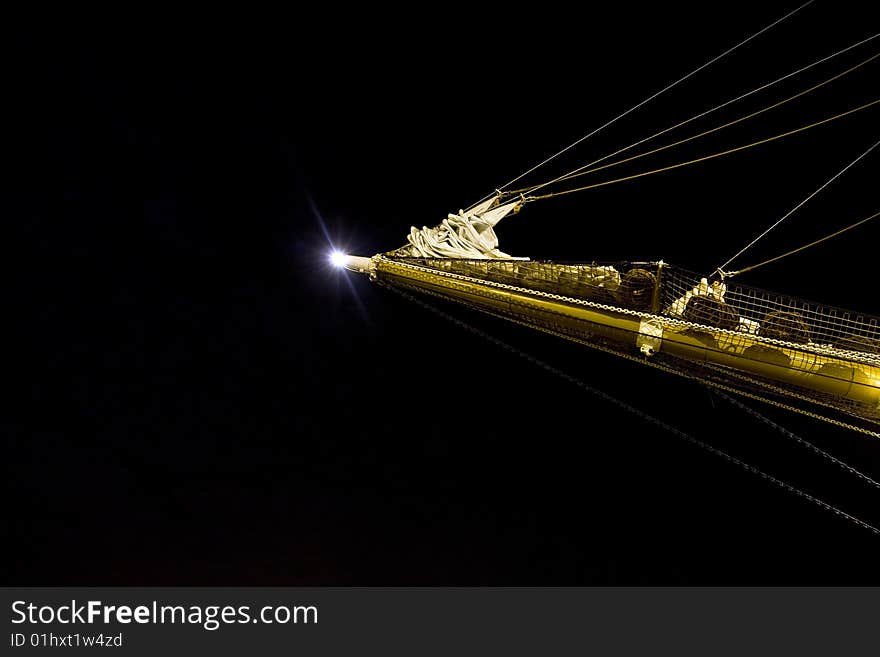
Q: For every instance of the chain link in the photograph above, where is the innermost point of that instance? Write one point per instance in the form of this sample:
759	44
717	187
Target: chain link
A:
660	366
635	411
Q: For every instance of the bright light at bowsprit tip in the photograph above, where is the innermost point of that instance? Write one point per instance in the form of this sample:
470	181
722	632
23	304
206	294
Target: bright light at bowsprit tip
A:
338	258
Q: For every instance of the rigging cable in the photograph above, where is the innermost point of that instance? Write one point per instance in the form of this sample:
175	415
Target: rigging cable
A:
720	269
641	414
804	247
704	158
701	115
589	168
647	100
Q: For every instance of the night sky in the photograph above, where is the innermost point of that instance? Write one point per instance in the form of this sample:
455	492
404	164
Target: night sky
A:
201	399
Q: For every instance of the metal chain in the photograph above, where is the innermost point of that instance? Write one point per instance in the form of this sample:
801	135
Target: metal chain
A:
777	390
714	384
651	363
671	321
798	439
639	413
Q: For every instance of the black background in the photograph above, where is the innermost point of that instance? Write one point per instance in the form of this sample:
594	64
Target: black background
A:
203	400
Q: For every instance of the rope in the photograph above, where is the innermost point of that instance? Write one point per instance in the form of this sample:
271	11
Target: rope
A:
704	158
583	171
640	414
647	100
801	441
699	116
795	208
804	247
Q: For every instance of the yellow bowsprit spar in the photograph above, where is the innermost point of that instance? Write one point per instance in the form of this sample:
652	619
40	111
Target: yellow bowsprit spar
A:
734	336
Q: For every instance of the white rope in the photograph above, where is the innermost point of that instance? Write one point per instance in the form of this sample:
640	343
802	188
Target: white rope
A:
794	209
647	100
573	172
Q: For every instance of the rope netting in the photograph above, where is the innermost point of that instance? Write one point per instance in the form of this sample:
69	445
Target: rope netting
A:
771	315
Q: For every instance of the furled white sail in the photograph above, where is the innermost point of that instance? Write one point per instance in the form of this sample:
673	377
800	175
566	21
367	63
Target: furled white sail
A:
463	235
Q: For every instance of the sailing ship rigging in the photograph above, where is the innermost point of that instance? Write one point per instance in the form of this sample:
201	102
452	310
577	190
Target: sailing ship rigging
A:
744	342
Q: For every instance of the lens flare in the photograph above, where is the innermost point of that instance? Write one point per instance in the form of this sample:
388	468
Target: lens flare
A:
338	259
